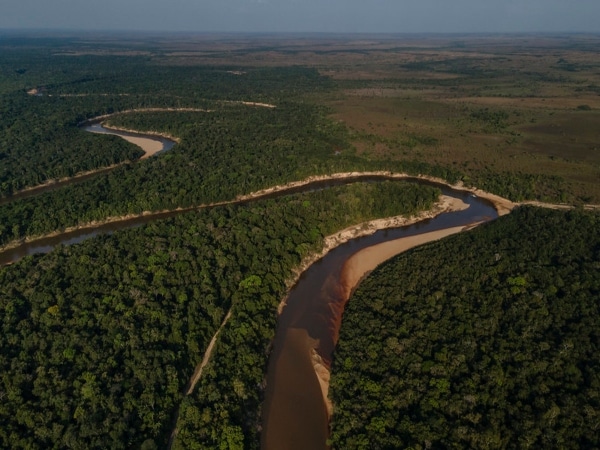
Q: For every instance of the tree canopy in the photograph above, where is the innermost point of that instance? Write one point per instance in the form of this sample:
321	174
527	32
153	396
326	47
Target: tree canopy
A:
487	339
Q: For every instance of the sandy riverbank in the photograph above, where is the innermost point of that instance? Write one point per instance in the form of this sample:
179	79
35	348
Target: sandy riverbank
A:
355	272
501	204
365	261
359	266
150	146
60	181
298	376
138	110
445	204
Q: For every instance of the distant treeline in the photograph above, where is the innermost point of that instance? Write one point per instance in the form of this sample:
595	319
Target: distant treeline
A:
38	138
232	151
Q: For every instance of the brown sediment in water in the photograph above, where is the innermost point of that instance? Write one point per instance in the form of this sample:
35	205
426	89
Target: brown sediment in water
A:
301	362
355	269
295	361
444	204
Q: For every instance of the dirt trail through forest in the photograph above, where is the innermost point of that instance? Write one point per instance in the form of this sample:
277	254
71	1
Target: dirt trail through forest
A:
196	376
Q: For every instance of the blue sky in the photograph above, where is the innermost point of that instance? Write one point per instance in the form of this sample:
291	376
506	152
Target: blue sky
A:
396	16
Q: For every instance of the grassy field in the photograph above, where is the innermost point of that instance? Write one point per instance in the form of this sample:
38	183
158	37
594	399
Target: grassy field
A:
521	106
524	108
504	110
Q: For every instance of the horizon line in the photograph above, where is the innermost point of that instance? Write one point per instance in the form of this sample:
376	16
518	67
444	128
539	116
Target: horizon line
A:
266	32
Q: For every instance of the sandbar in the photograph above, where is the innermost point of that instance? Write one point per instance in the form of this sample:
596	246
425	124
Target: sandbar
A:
150	146
359	266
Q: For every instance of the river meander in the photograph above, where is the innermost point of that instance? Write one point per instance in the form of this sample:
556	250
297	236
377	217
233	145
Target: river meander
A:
150	144
294	413
47	243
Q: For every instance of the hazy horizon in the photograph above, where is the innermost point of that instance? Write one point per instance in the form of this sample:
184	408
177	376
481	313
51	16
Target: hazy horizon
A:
305	16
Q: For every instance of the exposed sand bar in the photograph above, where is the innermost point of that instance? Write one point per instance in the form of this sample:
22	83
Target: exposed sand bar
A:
365	261
359	266
445	204
353	271
293	418
150	146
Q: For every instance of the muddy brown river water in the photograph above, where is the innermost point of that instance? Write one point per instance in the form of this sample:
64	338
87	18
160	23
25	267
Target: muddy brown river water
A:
294	412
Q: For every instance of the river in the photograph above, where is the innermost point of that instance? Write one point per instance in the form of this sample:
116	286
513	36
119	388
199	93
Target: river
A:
47	243
151	144
294	412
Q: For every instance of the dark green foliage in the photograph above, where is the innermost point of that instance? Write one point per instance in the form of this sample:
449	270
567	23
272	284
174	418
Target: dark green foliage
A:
518	186
495	120
233	151
39	142
99	339
487	339
38	137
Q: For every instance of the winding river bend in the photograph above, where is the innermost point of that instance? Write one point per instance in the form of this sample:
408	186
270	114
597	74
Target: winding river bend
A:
151	144
45	244
294	414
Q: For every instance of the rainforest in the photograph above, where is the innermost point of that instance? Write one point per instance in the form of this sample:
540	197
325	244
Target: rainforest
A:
198	297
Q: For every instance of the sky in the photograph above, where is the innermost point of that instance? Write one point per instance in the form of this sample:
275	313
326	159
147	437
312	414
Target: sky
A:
338	16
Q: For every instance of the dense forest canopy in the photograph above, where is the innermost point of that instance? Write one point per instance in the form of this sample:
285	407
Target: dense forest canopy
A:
487	339
99	339
38	117
228	150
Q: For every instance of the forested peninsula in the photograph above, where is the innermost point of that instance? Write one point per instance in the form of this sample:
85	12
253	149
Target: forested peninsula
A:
99	339
486	339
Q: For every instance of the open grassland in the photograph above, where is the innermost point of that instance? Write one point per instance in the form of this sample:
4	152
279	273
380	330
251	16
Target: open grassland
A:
503	110
525	110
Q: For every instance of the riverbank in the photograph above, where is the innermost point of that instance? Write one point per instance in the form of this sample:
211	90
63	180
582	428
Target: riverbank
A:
356	268
444	205
149	146
360	264
57	182
146	135
102	117
96	223
502	205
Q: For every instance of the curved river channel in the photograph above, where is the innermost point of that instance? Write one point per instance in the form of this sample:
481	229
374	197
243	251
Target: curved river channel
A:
159	144
294	414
